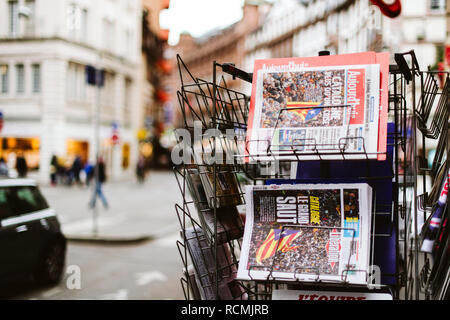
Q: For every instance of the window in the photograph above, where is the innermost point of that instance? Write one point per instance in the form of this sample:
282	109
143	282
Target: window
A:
20	78
4	78
72	19
30	20
437	5
76	86
5	209
36	77
84	24
127	95
26	199
70	81
16	201
108	92
127	102
13	10
108	34
77	22
128	45
30	199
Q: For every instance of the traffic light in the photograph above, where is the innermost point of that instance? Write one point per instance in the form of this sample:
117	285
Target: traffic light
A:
94	76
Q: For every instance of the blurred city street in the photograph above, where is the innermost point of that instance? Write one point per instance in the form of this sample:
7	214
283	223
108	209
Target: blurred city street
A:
124	269
135	210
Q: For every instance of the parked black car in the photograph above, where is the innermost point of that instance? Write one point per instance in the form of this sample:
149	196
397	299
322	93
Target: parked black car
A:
31	240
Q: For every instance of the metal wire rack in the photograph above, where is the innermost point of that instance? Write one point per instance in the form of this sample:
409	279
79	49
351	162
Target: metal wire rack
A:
210	248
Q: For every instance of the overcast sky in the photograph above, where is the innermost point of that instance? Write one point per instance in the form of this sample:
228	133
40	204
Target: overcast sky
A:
199	16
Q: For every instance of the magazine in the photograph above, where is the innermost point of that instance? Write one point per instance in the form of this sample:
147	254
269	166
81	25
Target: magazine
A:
319	105
229	222
307	232
202	256
227	188
432	226
229	225
189	275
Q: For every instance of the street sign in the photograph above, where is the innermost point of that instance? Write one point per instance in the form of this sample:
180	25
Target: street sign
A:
95	76
115	133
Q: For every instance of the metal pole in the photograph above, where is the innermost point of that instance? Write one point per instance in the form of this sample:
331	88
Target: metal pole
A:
97	148
216	280
415	173
397	185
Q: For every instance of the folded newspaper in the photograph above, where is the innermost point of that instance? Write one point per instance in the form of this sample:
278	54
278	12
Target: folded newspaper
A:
202	256
229	223
307	233
304	110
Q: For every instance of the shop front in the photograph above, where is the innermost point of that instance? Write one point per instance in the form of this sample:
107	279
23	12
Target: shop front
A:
13	147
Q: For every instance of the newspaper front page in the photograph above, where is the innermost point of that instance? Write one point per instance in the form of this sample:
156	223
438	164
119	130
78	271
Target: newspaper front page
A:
315	110
307	233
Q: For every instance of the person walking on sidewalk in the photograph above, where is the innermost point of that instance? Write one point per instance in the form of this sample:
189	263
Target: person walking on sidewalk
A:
21	166
54	170
3	167
89	173
140	169
77	166
100	178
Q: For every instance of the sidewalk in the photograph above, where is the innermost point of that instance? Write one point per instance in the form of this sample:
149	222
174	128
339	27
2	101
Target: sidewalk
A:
136	212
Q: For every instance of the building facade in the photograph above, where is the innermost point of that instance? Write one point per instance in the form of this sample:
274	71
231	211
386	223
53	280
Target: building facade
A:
223	46
154	66
422	27
48	108
303	28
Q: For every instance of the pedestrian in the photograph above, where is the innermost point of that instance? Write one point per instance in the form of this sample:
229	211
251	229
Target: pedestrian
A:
140	169
89	172
11	161
77	166
3	168
53	170
100	179
21	166
60	169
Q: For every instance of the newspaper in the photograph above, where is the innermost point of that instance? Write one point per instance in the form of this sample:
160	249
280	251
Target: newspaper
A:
203	258
324	110
307	233
304	295
229	223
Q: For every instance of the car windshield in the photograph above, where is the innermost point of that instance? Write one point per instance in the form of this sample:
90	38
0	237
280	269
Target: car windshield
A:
19	200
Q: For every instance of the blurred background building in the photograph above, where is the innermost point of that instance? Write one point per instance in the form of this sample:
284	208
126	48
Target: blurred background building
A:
289	28
46	44
303	28
222	45
48	108
157	112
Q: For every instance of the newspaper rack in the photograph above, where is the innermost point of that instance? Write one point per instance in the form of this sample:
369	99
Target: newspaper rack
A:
433	123
213	105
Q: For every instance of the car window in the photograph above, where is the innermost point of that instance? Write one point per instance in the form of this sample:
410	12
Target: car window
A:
5	208
26	199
